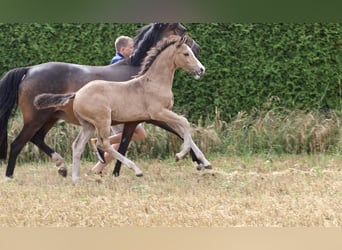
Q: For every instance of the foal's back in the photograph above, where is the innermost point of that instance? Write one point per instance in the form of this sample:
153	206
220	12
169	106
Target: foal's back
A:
122	101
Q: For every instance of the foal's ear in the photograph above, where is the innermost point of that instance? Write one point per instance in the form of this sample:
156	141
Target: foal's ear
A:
181	40
184	39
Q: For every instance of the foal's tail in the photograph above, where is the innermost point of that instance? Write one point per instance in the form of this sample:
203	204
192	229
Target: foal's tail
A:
9	91
44	101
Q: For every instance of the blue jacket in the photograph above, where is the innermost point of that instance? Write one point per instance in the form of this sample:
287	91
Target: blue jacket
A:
116	58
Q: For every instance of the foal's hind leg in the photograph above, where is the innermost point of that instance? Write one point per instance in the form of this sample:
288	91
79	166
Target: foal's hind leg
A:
78	146
104	144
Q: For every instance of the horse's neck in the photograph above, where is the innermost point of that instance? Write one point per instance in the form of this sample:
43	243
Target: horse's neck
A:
122	71
162	71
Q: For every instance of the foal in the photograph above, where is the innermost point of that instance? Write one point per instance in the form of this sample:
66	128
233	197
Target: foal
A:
99	104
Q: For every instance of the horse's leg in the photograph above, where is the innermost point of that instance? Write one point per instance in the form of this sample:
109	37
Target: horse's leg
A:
126	137
170	129
104	144
26	134
78	146
38	140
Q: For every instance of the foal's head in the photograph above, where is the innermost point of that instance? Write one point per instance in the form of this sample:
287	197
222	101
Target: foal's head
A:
186	59
179	51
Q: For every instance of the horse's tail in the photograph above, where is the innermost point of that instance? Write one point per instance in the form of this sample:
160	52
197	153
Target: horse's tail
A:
47	100
9	91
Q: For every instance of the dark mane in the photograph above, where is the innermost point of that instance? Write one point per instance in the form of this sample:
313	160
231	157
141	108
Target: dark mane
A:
147	37
154	52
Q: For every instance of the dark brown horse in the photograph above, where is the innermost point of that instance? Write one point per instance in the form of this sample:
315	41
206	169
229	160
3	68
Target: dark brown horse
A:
19	87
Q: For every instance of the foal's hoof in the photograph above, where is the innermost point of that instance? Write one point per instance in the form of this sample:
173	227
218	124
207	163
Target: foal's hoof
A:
208	167
179	156
201	166
139	175
63	171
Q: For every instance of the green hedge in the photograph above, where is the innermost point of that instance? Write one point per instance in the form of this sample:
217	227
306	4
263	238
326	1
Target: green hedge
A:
246	63
249	63
34	43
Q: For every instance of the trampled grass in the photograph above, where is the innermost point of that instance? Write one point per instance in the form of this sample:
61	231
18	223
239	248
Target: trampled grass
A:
282	191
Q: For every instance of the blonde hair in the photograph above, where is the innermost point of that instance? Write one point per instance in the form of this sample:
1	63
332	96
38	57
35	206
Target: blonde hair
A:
122	42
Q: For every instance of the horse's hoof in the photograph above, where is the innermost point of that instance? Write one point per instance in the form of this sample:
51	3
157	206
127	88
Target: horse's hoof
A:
8	178
140	175
63	171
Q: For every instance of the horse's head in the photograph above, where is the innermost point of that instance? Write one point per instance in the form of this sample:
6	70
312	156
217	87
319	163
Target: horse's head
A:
172	29
180	30
149	35
186	59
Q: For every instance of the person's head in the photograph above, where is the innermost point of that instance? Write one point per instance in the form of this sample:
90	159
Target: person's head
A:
124	45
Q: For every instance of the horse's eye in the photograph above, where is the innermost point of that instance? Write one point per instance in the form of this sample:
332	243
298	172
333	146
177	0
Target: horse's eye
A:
186	54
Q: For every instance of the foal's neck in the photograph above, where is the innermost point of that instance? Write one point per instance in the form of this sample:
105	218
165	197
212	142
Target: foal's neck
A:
163	69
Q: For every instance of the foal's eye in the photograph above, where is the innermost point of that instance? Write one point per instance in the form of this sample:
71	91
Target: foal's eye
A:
186	54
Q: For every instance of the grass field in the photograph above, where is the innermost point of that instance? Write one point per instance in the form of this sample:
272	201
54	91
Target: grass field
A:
282	191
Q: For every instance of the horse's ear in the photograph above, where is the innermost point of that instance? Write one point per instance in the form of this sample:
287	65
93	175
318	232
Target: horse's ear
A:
160	25
178	28
174	25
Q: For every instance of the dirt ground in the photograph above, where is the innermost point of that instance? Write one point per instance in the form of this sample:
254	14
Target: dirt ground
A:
284	191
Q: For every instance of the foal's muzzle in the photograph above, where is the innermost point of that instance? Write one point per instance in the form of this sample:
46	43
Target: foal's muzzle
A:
199	72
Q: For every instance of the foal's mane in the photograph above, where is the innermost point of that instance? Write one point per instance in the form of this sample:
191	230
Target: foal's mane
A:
146	37
154	52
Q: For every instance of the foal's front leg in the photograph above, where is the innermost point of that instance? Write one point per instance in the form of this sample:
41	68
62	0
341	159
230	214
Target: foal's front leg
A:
181	125
167	127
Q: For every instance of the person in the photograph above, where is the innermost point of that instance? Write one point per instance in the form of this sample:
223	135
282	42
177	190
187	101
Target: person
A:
124	49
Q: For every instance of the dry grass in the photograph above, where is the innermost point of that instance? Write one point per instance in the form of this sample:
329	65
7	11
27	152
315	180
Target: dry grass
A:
251	191
284	131
265	130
